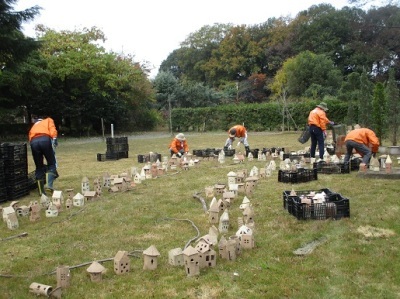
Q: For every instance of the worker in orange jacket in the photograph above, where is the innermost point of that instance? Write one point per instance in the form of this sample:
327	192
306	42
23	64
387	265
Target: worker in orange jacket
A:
364	141
43	141
317	121
240	132
179	145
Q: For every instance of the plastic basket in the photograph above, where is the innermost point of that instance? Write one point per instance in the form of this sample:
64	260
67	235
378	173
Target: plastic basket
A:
295	177
335	207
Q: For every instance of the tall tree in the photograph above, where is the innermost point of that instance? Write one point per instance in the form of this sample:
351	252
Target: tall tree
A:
365	100
379	111
393	107
14	46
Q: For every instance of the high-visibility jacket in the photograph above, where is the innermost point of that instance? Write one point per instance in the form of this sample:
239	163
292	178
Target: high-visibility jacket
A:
177	145
240	131
364	136
318	118
45	127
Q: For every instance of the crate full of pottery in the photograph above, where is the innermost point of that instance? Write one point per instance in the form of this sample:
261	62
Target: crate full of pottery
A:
318	204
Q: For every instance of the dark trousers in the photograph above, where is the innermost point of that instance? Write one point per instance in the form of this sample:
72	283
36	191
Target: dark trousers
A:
361	148
42	149
317	137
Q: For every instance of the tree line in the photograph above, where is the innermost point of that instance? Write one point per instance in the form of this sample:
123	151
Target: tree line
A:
348	55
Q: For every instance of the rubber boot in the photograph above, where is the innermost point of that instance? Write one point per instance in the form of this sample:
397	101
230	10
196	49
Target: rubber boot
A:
50	177
247	148
40	184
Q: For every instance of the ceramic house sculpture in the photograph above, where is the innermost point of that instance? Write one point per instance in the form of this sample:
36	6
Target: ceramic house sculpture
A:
68	203
388	163
222	252
240	157
106	180
142	174
254	171
90	195
95	271
241	188
212	236
234	188
69	193
262	173
235	239
224	222
22	211
240	177
374	164
207	255
175	257
236	159
63	276
250	157
12	220
221	157
7	211
122	262
231	177
58	199
173	161
35	211
137	178
221	205
150	256
191	261
97	185
248	215
133	171
246	237
44	201
245	203
230	249
40	289
78	200
85	185
228	196
213	212
52	211
209	191
219	189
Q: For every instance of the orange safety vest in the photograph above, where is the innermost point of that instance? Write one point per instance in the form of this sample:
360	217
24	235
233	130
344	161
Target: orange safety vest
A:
364	136
240	131
45	127
318	118
176	145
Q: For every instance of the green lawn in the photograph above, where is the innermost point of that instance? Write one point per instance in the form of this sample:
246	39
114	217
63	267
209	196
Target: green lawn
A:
159	212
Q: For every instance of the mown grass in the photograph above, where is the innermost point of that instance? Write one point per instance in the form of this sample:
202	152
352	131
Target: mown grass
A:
347	265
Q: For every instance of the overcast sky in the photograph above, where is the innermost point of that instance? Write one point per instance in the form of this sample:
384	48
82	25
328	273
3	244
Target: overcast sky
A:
151	30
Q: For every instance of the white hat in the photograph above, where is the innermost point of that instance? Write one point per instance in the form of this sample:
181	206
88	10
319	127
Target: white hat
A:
180	137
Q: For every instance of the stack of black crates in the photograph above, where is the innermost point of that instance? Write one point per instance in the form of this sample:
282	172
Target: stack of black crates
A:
13	171
117	148
335	207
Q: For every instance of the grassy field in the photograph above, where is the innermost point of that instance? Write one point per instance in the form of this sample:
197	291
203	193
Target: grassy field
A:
349	264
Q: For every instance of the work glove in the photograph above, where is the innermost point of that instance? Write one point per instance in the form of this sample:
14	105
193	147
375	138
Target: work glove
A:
332	123
238	144
54	143
179	154
324	132
230	147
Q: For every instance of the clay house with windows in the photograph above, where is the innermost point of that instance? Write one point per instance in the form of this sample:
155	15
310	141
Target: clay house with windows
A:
150	258
191	261
35	211
207	255
246	237
90	195
85	186
122	262
213	212
78	200
175	257
224	222
95	271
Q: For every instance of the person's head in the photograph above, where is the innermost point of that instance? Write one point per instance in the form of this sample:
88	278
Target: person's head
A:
323	106
180	137
232	133
36	118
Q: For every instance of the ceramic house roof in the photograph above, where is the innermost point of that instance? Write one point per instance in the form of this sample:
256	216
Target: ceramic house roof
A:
95	267
57	194
388	160
189	251
246	200
78	196
225	216
232	174
244	230
214	207
222	241
85	180
151	251
90	194
121	255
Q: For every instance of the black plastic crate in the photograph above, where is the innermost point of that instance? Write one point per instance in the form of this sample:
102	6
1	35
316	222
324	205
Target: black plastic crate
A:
332	168
336	206
299	176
